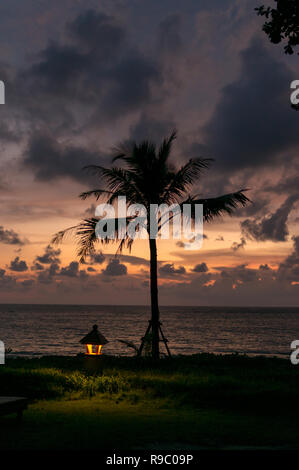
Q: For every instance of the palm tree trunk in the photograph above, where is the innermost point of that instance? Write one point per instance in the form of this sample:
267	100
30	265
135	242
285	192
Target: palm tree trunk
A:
154	298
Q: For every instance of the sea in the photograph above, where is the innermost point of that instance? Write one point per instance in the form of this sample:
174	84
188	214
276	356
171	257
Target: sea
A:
39	330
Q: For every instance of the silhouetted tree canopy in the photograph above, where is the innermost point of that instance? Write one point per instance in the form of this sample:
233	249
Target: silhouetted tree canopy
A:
282	23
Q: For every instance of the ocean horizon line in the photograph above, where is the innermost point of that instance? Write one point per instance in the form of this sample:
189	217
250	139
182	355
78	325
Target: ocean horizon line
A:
145	305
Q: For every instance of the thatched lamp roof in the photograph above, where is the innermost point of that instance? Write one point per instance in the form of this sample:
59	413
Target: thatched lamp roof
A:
94	337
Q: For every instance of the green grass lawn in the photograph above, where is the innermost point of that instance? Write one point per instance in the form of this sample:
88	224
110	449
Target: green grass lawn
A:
202	401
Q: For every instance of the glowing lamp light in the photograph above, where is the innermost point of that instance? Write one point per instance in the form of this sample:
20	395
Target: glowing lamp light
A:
93	342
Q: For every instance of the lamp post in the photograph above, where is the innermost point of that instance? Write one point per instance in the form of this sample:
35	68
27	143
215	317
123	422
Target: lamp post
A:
93	341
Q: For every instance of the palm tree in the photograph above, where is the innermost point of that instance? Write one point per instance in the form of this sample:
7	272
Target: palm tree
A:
148	178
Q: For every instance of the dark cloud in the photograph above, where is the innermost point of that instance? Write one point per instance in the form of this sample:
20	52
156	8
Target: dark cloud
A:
18	265
58	69
169	270
50	160
169	38
236	246
37	267
9	237
46	276
47	264
83	275
239	273
83	63
253	124
115	268
181	244
91	70
99	258
289	184
264	267
289	268
151	128
78	84
258	206
200	268
27	283
72	270
236	284
127	95
53	268
7	134
99	32
272	227
6	282
96	258
50	256
135	260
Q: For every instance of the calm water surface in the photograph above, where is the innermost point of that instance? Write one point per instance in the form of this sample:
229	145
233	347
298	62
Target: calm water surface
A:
56	329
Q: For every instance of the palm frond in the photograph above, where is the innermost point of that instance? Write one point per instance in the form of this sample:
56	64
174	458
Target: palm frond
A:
94	192
184	177
138	157
86	238
63	234
94	169
129	344
119	181
216	207
123	151
124	182
83	233
165	147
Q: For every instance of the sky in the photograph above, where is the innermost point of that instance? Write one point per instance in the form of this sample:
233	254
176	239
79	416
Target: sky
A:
82	76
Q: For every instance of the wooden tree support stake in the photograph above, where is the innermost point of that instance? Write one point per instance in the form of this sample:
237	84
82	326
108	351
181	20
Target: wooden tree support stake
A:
143	339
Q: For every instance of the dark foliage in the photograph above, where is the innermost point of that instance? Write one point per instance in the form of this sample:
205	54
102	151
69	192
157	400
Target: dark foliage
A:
282	23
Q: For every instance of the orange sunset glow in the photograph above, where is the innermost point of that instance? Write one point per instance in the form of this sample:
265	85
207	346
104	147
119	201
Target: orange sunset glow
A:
53	126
